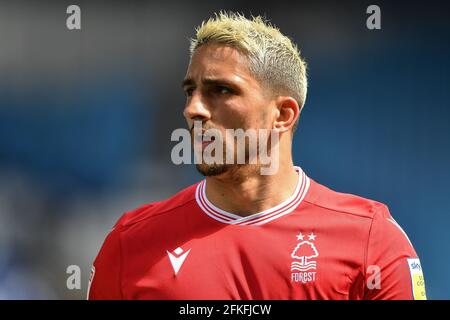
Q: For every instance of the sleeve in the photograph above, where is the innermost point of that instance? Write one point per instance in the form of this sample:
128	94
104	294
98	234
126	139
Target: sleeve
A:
393	270
105	279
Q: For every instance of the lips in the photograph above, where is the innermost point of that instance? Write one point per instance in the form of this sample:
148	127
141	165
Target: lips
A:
205	143
201	138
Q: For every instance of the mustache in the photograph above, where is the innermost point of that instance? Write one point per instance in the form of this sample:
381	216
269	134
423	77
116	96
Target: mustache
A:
204	128
202	133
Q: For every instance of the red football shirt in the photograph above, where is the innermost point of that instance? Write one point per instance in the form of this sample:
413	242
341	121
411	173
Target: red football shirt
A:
318	244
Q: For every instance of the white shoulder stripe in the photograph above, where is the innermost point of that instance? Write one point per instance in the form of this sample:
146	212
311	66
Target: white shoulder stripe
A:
400	228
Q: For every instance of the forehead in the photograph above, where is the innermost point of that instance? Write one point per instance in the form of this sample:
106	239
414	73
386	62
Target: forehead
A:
216	60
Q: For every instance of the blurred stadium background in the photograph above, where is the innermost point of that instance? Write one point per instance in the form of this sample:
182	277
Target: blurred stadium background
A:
86	118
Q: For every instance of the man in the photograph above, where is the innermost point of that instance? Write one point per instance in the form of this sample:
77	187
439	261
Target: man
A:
240	234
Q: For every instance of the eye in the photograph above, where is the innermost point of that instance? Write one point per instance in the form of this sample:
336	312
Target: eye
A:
188	92
223	90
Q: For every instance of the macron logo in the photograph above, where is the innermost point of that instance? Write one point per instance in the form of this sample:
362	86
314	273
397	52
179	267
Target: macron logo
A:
177	259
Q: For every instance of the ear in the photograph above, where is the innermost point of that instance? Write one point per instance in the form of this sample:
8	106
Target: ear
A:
287	115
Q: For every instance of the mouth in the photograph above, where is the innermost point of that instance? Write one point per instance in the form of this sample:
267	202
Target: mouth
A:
205	142
203	137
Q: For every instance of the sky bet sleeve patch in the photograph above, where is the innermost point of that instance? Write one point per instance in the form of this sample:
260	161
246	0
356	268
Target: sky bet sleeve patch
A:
417	279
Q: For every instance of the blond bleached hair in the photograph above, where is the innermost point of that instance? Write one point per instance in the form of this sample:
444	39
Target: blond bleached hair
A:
274	59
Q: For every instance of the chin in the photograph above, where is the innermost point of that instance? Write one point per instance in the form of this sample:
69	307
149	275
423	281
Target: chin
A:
210	170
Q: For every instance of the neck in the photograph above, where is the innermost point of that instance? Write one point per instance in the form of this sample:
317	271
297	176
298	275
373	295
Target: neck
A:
244	191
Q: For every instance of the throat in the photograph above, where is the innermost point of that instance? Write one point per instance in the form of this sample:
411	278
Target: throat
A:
252	195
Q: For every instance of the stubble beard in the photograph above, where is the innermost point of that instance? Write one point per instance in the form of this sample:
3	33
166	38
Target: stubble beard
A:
216	169
211	170
233	169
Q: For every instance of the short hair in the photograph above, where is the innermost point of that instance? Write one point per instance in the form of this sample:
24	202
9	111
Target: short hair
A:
274	59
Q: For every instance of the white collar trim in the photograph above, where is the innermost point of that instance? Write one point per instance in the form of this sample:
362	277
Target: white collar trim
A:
259	218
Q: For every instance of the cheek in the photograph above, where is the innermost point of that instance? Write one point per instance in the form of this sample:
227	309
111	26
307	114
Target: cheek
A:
232	115
243	114
260	118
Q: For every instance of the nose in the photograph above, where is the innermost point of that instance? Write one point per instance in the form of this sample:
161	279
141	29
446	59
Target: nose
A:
196	109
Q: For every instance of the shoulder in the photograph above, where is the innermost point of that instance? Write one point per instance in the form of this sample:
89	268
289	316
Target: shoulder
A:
325	198
154	209
371	217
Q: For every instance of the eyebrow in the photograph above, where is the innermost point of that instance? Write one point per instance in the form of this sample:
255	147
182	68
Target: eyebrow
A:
208	81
